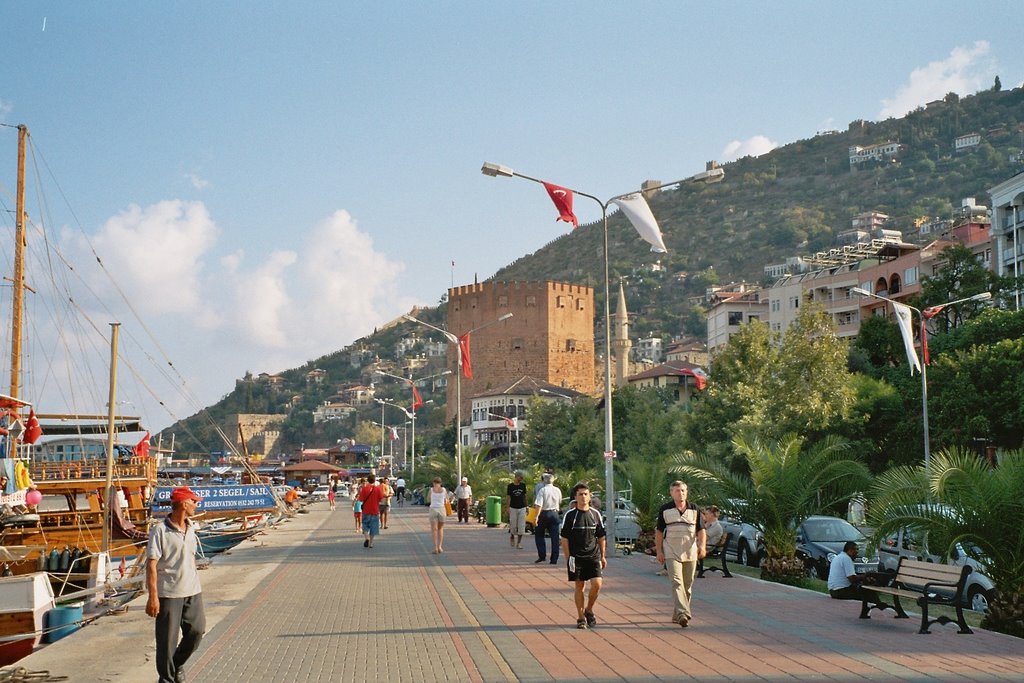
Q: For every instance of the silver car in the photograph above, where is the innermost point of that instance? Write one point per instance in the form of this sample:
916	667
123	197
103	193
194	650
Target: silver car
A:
746	543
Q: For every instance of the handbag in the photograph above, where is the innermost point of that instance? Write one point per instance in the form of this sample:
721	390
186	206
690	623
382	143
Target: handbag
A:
447	507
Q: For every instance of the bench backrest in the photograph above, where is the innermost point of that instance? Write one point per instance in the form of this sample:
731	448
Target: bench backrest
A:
917	573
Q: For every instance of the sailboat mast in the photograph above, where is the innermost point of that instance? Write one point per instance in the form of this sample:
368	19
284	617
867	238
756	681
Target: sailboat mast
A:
108	488
19	266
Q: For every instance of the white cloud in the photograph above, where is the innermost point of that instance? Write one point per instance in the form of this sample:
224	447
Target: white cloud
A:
217	316
155	254
197	182
754	147
965	71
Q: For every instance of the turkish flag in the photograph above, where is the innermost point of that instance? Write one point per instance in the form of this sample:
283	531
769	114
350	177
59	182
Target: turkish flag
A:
33	430
417	400
464	361
142	447
563	202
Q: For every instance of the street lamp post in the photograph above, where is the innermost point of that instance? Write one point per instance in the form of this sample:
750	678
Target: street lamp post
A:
452	339
496	170
984	296
412	415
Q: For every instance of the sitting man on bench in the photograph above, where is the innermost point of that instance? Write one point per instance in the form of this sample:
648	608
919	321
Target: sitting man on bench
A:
843	577
716	540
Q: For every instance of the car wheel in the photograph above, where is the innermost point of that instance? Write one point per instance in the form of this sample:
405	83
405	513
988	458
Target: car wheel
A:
741	552
978	599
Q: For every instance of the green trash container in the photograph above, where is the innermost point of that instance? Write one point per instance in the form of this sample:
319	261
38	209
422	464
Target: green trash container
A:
493	510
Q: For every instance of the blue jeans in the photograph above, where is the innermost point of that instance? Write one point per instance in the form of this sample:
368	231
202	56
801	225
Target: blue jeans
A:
547	525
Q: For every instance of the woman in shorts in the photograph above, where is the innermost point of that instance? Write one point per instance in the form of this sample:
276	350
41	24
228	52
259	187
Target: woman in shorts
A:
357	508
438	514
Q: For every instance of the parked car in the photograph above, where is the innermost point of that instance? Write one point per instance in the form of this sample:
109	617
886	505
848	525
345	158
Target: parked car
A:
978	588
746	543
320	492
820	538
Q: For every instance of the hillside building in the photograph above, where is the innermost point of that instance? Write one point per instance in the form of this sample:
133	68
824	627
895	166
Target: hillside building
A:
731	307
681	378
882	151
689	349
500	415
262	433
1008	229
550	336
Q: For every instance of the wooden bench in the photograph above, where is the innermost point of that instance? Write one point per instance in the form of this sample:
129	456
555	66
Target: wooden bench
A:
717	551
916	581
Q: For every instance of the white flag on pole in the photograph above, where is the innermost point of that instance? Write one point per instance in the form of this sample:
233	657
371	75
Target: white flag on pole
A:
639	214
903	319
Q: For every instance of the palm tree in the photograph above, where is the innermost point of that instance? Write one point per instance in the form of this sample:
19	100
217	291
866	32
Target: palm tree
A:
648	480
786	484
486	476
961	499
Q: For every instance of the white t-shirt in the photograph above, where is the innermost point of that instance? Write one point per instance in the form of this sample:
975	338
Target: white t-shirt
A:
549	498
841	567
400	484
437	499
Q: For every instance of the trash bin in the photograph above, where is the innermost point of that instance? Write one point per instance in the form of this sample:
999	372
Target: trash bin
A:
493	510
63	620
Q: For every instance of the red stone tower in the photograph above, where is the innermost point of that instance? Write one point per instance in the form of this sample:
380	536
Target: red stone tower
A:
550	336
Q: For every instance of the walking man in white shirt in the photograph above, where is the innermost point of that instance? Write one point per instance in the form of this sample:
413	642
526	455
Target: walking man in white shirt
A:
547	501
463	497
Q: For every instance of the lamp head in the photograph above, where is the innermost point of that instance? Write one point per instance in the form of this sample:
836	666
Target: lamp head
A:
505	317
858	290
983	296
495	170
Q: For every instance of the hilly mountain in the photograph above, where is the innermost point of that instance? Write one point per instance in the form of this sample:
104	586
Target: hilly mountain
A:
793	200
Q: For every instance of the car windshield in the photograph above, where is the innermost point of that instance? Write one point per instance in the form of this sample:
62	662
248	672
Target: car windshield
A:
832	531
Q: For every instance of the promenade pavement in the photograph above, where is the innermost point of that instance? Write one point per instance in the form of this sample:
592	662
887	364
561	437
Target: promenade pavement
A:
306	602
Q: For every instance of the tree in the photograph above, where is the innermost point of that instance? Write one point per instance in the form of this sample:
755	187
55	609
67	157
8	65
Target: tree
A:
998	85
960	275
563	435
786	484
798	383
977	395
961	499
648	479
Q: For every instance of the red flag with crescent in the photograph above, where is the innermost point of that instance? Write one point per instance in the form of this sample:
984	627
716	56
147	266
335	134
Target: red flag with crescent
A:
464	360
562	198
417	400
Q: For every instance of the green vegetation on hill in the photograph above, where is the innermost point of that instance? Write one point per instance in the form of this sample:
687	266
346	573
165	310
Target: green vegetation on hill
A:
793	200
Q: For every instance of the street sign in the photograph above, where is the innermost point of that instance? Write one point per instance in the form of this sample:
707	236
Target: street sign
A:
608	455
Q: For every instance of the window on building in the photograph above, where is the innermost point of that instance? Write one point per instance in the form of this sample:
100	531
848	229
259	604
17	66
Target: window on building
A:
570	344
560	301
531	301
503	301
735	317
580	304
910	276
751	318
473	302
517	343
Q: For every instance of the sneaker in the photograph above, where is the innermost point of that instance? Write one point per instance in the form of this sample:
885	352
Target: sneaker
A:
366	543
683	621
539	561
581	624
591	619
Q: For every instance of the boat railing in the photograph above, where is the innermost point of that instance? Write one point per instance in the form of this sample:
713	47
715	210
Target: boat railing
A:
131	468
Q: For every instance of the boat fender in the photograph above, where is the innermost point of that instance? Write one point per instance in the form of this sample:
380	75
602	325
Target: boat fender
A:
76	553
54	562
41	561
22	480
65	559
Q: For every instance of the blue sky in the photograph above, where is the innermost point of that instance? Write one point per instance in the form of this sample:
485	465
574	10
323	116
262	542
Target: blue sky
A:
269	181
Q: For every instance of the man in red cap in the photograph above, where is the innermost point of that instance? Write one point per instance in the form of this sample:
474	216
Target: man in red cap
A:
175	596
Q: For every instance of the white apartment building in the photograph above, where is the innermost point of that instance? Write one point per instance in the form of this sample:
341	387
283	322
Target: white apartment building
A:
729	311
1008	229
648	349
879	152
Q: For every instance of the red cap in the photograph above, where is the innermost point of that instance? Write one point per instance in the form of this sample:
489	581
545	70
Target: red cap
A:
184	493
